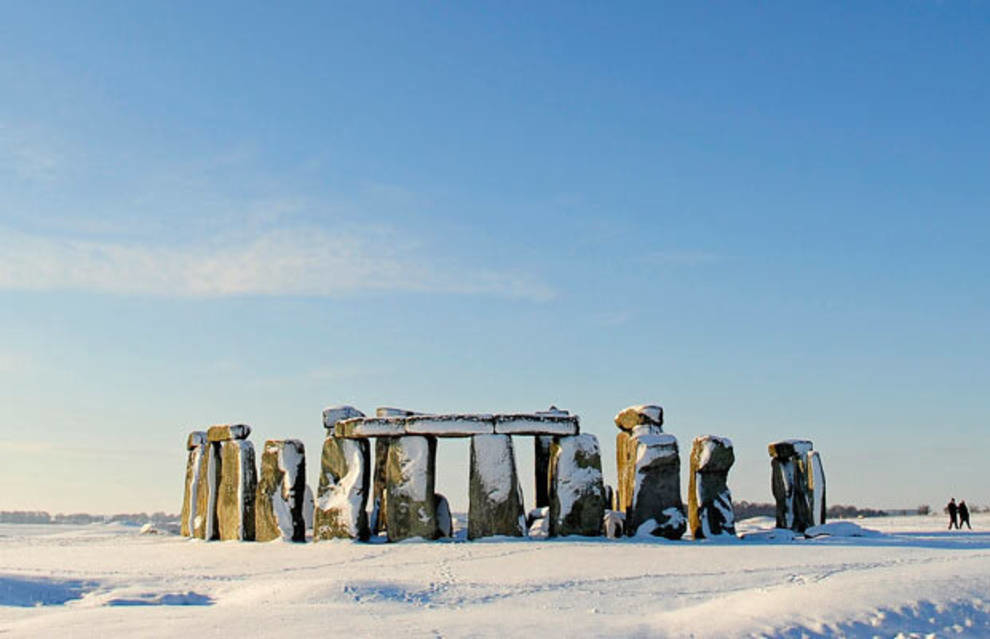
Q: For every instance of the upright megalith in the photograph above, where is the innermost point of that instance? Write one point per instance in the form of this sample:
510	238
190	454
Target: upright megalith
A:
642	419
238	482
541	457
495	504
379	517
410	479
577	489
709	499
196	448
342	493
205	524
789	483
655	505
280	500
816	488
445	521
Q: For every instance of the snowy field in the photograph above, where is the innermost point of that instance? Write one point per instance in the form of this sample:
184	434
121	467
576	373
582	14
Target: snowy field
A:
911	579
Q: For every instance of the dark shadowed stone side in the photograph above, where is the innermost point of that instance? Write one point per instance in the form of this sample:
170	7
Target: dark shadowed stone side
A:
709	499
278	506
238	483
342	494
495	504
445	522
205	522
577	490
195	444
629	418
410	478
541	449
379	518
656	507
789	483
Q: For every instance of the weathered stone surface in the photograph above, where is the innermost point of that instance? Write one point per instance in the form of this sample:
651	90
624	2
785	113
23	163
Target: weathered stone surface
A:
632	416
615	523
365	427
410	477
205	521
537	424
309	508
238	483
227	432
625	464
577	490
450	425
379	517
789	483
710	511
196	445
280	499
495	504
334	414
389	411
445	522
342	494
541	458
816	488
656	507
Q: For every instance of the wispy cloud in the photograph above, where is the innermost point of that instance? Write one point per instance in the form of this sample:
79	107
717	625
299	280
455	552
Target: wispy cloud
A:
294	261
683	258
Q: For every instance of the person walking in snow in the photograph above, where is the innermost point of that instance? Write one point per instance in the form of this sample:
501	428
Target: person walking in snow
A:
953	510
963	515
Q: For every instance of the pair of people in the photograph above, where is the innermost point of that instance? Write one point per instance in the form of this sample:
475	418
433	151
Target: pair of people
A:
958	514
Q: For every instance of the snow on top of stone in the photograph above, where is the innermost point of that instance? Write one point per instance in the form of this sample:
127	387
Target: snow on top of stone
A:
334	414
389	411
629	417
196	438
708	445
660	439
572	479
799	447
225	432
717	439
451	425
553	410
494	464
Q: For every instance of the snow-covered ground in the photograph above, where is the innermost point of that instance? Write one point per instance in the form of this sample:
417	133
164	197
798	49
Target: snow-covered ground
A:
914	578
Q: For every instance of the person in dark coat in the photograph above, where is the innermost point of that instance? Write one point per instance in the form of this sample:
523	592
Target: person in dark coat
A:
953	511
963	515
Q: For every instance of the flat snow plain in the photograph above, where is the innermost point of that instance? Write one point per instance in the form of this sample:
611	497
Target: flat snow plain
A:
914	579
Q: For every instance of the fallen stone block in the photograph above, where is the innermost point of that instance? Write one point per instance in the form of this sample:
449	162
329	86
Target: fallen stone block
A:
280	500
495	504
410	478
710	511
342	493
238	484
577	490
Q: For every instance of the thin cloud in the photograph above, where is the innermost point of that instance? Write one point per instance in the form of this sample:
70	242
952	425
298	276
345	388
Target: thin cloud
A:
683	258
288	262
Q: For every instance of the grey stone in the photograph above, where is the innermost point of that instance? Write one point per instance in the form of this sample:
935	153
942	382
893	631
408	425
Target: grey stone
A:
238	483
410	479
710	511
495	504
342	493
205	524
280	500
196	447
789	483
656	507
450	425
577	490
334	414
365	427
536	424
445	522
816	488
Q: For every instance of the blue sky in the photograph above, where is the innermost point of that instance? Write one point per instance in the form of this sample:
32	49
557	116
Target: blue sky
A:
771	219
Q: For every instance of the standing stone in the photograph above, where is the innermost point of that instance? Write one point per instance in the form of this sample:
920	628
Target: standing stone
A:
656	506
309	508
541	457
410	477
281	495
644	419
238	483
196	447
816	488
495	504
342	494
577	490
379	519
709	499
789	483
205	525
445	521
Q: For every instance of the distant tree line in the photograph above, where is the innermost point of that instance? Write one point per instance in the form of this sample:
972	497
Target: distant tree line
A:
746	509
42	517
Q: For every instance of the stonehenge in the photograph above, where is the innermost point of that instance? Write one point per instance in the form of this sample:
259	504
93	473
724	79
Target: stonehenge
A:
360	495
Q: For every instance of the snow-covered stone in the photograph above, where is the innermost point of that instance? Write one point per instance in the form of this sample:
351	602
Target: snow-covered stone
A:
280	502
365	427
450	425
789	481
656	490
495	496
334	414
196	447
710	511
208	484
342	493
236	494
378	518
816	488
543	423
445	522
309	508
629	418
614	523
389	411
227	432
577	490
410	479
